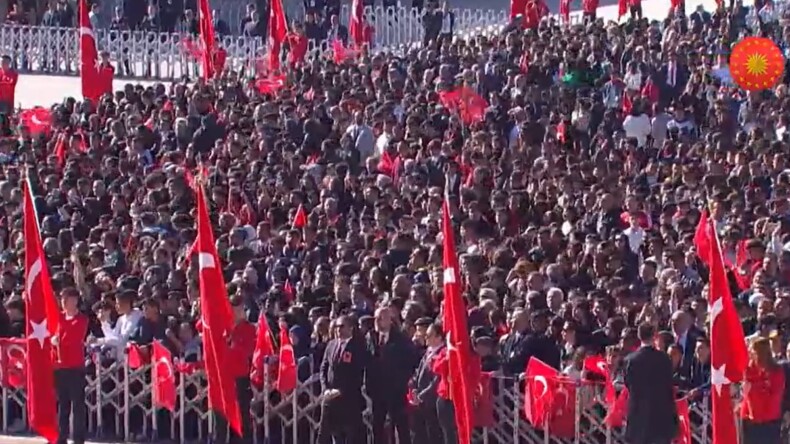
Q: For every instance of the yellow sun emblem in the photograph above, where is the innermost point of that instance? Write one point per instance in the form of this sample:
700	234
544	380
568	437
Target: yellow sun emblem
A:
756	63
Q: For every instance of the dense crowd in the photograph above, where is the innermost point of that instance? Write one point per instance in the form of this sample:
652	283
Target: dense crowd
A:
575	214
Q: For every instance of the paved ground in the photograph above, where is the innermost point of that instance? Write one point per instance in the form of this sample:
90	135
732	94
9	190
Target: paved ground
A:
5	439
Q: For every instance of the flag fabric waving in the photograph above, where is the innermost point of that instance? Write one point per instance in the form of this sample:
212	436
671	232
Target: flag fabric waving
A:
356	24
458	345
684	431
278	31
469	105
163	377
206	27
537	391
727	346
43	318
38	120
216	320
615	415
286	375
263	348
701	238
89	57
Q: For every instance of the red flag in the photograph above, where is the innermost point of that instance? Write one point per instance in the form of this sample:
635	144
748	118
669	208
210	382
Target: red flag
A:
206	27
278	31
517	7
270	85
290	292
217	321
524	63
263	348
743	275
598	365
43	318
622	8
12	362
727	347
537	391
469	105
89	57
562	131
701	238
562	420
164	386
340	53
565	10
356	28
300	218
38	120
684	431
286	373
458	345
484	408
137	357
615	417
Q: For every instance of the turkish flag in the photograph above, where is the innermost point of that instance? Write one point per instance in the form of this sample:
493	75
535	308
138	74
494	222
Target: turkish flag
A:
469	105
286	372
615	416
263	348
340	53
13	357
517	7
300	218
206	27
136	356
484	407
684	431
701	238
163	377
727	347
89	57
43	318
38	120
462	386
538	391
61	149
627	104
216	319
562	419
270	84
622	8
278	31
597	364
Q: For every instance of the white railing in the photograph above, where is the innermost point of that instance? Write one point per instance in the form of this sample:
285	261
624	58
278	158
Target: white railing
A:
119	406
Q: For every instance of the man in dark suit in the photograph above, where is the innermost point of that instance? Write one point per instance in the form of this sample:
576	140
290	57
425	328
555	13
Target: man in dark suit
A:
525	342
335	30
686	338
342	375
392	366
426	422
674	76
652	414
513	359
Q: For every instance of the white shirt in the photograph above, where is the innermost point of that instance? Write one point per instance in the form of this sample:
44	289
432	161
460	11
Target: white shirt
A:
638	127
364	140
633	81
636	236
119	335
381	143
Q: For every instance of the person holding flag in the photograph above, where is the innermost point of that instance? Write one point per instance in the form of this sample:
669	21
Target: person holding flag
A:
70	367
241	346
763	391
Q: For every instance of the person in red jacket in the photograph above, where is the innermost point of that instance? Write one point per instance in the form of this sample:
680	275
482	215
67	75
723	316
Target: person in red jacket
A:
763	390
297	44
106	72
635	6
69	349
8	79
220	58
241	346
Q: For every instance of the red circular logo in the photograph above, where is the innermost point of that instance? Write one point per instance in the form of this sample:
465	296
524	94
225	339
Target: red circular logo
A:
756	63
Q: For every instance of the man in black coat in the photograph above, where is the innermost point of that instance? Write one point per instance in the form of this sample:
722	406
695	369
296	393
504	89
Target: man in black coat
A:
528	338
394	361
686	336
342	375
652	414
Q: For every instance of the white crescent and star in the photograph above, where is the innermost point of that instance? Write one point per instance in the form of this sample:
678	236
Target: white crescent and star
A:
36	121
85	30
715	310
602	367
206	260
718	377
449	275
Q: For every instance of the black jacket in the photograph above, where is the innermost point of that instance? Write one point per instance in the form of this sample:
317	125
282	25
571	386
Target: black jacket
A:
652	414
392	365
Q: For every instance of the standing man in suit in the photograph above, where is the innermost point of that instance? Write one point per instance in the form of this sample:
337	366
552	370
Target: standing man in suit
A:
392	366
342	374
686	338
675	76
652	414
426	422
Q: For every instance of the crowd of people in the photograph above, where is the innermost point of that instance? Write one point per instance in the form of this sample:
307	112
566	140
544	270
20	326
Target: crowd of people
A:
575	196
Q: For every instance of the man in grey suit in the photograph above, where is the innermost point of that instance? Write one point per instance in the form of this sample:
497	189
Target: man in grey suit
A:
652	413
425	423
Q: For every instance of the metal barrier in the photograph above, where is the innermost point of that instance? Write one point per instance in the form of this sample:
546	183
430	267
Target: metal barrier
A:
119	406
